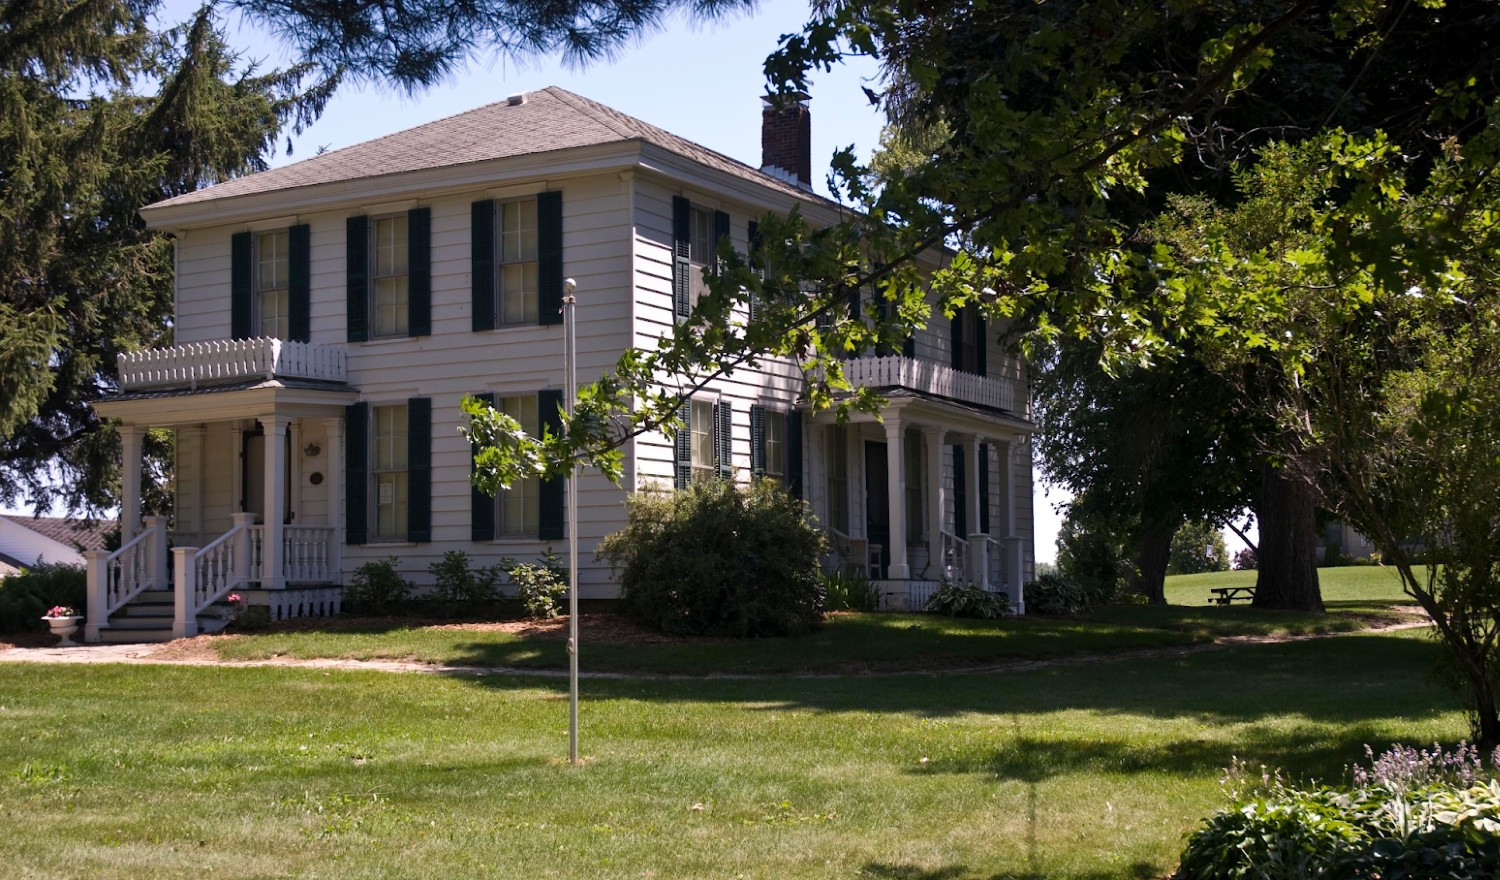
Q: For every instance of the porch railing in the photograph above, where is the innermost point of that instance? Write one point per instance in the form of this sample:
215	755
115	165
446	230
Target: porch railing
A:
305	554
930	377
224	360
115	578
204	576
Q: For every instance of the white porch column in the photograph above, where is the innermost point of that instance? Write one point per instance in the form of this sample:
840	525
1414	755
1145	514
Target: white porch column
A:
333	430
1006	455
937	565
896	499
979	548
131	437
97	564
156	553
185	590
271	576
190	448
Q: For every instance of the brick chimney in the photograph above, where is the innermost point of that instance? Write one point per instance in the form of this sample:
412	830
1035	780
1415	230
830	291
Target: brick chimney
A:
786	140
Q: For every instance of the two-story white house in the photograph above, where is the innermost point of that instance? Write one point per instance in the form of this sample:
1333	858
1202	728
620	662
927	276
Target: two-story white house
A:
331	314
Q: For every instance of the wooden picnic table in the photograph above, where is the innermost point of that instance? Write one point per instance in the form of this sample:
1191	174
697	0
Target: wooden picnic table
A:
1230	595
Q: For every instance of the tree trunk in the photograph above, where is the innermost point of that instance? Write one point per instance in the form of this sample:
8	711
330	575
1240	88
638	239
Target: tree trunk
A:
1287	576
1151	564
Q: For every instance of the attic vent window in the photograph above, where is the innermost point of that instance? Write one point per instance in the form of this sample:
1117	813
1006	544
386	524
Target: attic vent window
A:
517	99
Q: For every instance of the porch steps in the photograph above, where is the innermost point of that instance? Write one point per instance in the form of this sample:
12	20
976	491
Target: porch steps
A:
148	618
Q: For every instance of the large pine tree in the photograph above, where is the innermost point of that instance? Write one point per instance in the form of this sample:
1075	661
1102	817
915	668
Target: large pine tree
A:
99	115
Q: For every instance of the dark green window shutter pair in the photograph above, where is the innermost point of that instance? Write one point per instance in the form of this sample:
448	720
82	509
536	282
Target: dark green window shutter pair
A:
418	277
481	506
757	440
682	270
549	257
984	488
721	232
482	273
552	492
418	471
956	340
724	438
981	345
242	285
960	493
682	446
981	342
794	453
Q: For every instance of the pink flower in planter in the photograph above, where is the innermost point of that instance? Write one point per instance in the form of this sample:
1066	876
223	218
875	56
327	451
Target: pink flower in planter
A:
60	611
234	599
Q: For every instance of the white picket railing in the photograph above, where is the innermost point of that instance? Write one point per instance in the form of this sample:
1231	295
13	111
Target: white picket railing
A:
204	576
305	556
223	360
955	558
311	602
116	578
930	377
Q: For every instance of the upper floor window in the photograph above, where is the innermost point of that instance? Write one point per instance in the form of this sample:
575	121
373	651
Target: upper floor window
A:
696	233
702	426
272	284
390	274
517	251
389	473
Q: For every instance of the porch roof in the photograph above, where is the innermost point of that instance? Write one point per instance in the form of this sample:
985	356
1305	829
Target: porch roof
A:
253	398
919	408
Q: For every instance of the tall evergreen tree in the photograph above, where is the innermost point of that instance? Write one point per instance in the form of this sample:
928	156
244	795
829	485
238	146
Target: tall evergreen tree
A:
99	115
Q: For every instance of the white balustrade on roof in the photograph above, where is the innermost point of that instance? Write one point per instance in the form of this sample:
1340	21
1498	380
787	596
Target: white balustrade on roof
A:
930	377
228	360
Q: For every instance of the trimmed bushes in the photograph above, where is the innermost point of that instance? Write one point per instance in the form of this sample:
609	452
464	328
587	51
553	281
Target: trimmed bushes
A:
719	559
26	595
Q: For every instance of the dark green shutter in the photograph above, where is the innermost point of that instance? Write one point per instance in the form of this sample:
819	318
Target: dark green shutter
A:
984	488
241	287
299	283
757	440
419	272
960	493
682	445
482	267
357	274
794	453
419	469
481	505
356	472
956	340
753	235
724	438
981	345
682	268
552	495
549	257
721	233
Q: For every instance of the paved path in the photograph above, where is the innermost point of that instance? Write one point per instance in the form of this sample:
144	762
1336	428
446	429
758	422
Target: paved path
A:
153	655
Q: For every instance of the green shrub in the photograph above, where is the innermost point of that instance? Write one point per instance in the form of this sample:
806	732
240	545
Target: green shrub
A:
849	592
251	618
718	559
26	595
459	587
967	600
541	586
1411	815
1055	594
377	588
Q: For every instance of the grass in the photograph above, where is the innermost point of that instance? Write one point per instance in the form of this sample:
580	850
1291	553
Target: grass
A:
1081	771
852	642
1347	588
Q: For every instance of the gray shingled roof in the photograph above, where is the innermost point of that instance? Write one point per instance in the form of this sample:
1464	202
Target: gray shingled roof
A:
551	119
75	533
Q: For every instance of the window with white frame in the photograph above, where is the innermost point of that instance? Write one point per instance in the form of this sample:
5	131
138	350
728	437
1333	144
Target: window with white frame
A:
702	249
776	445
518	507
516	257
838	478
703	440
389	473
389	272
272	284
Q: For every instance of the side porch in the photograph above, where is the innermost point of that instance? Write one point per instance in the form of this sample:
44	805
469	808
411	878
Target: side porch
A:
259	447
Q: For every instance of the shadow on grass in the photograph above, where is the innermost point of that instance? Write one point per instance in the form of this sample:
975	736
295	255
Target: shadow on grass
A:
887	871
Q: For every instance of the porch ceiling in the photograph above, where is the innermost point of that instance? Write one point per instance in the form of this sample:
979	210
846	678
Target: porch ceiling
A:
248	400
917	410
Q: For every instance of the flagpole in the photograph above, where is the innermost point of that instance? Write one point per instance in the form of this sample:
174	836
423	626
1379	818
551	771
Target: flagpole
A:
570	343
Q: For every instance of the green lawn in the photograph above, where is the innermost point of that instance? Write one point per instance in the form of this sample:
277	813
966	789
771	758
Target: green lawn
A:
857	642
1075	771
1353	587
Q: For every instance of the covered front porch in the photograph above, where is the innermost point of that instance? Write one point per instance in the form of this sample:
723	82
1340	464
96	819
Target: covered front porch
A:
259	470
925	495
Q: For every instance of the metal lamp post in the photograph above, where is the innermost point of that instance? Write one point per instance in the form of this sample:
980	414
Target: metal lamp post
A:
570	347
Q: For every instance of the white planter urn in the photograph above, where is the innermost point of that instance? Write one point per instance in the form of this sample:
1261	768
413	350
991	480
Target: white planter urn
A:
63	627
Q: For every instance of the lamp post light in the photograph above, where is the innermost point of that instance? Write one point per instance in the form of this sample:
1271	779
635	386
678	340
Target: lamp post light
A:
570	345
